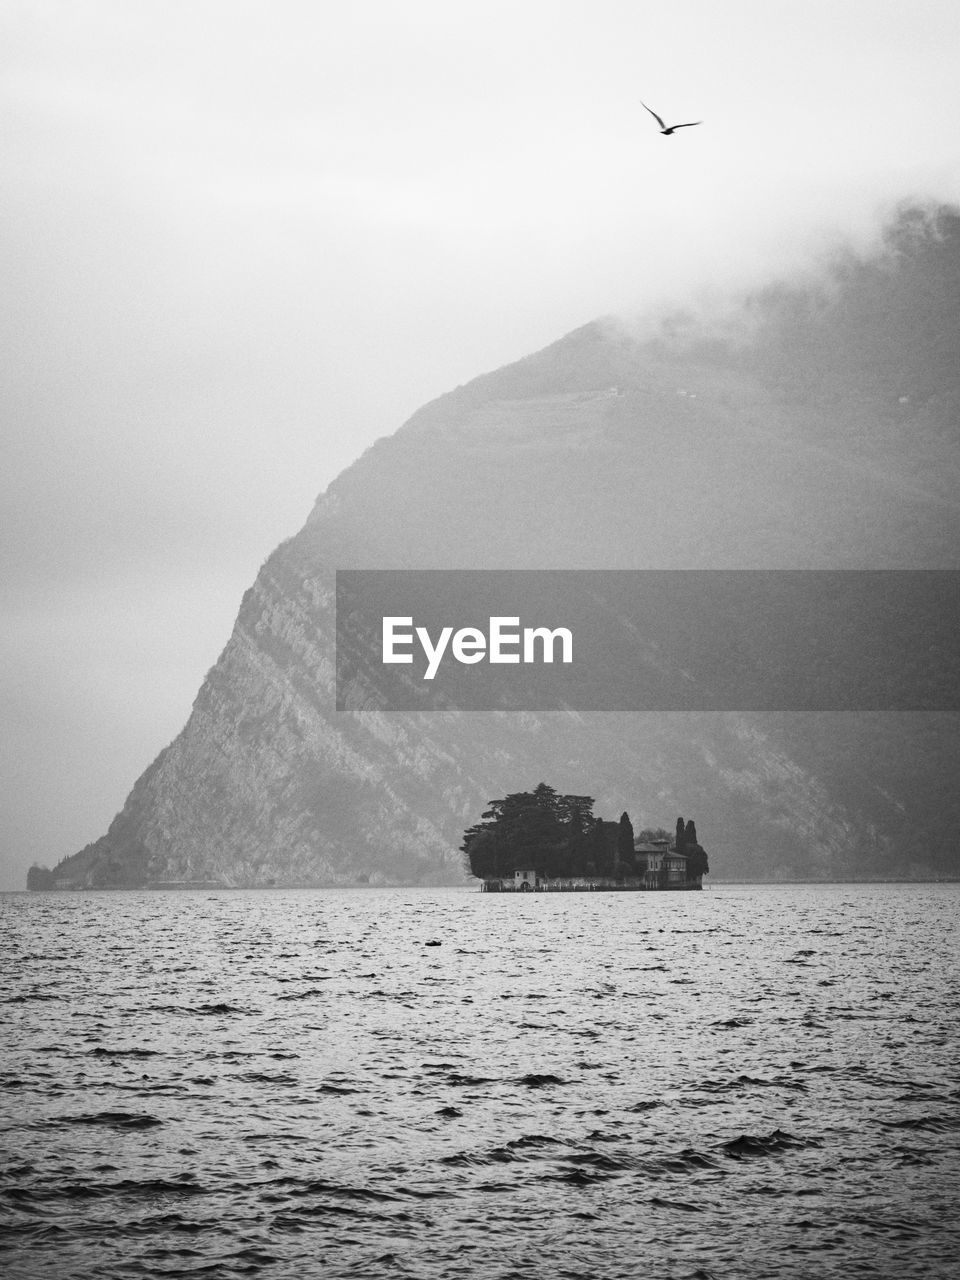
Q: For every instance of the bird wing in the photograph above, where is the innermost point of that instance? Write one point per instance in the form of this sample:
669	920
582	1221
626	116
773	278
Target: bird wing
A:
688	125
653	113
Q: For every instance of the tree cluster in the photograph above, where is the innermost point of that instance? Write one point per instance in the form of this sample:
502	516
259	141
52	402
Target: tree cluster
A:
557	836
542	831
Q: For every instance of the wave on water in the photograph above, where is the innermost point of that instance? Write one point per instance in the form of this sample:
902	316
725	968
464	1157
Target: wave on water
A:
298	1084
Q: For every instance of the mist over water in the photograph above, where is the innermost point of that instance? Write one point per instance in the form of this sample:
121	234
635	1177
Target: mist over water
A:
757	1081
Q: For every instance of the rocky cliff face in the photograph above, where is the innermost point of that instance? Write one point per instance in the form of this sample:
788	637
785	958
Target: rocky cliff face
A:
684	450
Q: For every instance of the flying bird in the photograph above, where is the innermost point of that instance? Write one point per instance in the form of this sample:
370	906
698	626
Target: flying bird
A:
668	129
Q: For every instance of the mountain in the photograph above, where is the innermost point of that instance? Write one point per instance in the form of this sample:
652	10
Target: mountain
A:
817	425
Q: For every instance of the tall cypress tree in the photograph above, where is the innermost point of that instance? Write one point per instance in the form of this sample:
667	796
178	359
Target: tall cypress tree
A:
624	861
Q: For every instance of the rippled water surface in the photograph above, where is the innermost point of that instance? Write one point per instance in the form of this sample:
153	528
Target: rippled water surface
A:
751	1081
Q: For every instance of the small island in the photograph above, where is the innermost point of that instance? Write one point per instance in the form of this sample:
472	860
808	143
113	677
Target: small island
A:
541	841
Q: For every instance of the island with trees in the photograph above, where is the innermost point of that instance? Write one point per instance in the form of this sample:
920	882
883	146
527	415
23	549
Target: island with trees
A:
543	841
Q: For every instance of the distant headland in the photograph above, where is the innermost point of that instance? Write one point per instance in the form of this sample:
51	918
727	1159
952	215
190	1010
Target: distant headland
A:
543	841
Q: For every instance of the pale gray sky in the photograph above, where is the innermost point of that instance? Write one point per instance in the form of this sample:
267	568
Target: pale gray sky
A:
241	241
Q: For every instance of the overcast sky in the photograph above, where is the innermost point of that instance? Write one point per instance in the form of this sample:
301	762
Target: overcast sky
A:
243	240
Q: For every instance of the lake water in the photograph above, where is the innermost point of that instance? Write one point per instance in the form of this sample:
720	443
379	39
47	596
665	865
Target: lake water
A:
750	1081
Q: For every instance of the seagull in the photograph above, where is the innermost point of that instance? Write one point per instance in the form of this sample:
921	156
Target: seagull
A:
668	129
